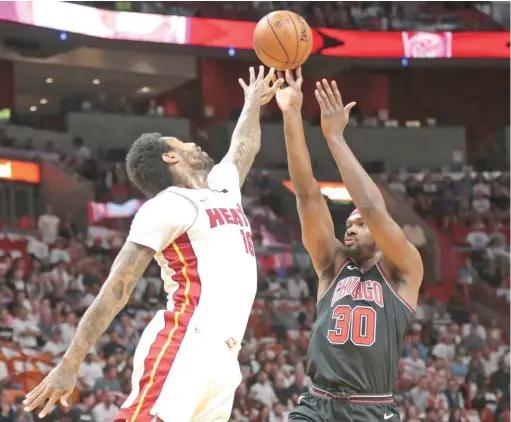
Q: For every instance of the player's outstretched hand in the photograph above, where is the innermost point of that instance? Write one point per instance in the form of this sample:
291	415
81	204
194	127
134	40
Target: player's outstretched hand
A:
334	115
261	89
57	386
290	98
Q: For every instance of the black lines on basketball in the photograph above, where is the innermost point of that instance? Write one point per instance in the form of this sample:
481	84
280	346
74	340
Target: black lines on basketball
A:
257	47
297	36
277	38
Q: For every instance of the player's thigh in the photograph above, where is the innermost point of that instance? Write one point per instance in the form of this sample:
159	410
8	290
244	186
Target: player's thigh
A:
225	377
312	409
376	413
216	408
186	386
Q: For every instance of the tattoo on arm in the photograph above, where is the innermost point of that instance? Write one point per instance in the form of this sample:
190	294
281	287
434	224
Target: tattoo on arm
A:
127	268
246	140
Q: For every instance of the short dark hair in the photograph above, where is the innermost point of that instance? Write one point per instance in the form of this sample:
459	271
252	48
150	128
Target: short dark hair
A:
145	166
84	395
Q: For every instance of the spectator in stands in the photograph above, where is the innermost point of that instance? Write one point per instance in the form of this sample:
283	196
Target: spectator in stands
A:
68	328
89	372
109	381
7	410
262	391
83	410
106	411
474	324
419	394
48	224
37	247
25	330
54	346
413	366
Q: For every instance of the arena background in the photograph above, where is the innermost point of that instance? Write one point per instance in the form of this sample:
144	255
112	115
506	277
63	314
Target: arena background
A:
79	81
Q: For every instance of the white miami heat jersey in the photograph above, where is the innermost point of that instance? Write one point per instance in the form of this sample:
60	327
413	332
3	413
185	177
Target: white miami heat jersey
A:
203	244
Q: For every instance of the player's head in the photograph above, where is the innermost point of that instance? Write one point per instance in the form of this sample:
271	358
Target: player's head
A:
155	162
358	240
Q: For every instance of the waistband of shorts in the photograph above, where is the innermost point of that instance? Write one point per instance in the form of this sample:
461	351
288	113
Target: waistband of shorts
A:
373	398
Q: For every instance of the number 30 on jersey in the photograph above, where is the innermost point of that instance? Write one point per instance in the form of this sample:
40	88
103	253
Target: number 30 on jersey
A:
357	325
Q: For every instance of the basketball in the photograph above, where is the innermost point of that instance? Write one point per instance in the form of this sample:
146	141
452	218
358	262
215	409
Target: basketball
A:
283	40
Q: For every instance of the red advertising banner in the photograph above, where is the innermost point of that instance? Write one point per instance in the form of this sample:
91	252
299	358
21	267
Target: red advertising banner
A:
73	18
340	43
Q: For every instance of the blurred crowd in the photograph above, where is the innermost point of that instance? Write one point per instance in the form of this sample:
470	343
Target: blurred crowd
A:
362	15
472	211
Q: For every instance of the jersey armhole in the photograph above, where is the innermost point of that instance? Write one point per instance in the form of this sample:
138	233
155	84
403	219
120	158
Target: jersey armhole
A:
341	267
194	205
392	288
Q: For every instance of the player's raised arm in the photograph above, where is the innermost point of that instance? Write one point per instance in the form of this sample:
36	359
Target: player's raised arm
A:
246	138
365	193
316	222
127	268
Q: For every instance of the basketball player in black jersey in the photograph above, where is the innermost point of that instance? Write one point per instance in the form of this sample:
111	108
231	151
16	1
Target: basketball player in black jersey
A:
368	285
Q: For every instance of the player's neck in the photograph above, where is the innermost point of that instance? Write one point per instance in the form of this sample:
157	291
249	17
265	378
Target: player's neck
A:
365	264
198	181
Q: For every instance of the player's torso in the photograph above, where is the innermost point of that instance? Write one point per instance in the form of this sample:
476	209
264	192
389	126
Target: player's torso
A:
216	258
358	334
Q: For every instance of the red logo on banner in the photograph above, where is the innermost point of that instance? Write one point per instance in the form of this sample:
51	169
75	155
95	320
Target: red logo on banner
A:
427	45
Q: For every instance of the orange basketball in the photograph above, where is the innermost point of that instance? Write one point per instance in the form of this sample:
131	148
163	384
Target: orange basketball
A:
282	40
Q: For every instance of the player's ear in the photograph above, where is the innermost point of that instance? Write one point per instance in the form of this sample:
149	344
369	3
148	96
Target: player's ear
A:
170	158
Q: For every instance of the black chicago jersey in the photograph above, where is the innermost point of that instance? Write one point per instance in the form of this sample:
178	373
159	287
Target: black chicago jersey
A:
358	334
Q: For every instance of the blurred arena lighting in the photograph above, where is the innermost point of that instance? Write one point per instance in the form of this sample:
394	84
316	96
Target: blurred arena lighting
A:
49	80
43	101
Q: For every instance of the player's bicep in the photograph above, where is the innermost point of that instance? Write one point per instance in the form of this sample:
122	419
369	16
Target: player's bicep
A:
318	234
127	268
394	245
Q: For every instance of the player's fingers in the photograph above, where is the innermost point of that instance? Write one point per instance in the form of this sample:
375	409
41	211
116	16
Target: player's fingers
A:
337	93
63	399
323	95
276	86
348	108
37	400
242	83
252	75
280	74
270	75
34	392
51	402
329	92
289	78
319	99
299	76
260	75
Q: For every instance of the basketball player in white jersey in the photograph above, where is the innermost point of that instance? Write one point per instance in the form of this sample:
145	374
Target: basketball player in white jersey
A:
185	366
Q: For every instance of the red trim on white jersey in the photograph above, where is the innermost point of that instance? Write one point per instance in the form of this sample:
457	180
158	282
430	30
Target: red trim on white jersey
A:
162	353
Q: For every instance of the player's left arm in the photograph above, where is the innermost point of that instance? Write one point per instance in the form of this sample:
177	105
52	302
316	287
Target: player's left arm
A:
246	138
366	195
